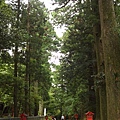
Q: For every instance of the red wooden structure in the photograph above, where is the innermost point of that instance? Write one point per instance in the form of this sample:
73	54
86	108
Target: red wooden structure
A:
23	116
89	115
76	116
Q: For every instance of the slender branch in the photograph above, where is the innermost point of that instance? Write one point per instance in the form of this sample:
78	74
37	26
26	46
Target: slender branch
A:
65	3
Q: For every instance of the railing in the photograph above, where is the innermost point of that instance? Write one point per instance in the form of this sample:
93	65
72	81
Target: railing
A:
28	118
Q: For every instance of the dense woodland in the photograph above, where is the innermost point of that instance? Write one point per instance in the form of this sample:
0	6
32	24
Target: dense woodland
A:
88	77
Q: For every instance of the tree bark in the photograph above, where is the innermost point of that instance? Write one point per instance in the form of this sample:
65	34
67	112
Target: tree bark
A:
101	87
101	103
27	77
15	99
111	48
15	82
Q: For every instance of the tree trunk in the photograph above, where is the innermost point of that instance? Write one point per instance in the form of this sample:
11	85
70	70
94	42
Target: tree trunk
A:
100	81
36	102
15	81
16	66
111	48
27	77
101	103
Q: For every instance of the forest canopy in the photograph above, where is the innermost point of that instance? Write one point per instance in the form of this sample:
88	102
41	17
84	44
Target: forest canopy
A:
87	78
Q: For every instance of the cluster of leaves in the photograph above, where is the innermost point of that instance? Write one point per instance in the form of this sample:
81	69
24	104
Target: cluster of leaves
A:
5	19
30	30
73	84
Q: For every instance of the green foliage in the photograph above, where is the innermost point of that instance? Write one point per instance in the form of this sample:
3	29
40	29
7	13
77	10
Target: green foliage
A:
5	18
77	62
35	38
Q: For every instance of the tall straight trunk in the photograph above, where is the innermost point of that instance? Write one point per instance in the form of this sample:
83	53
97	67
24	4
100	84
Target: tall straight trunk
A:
16	65
97	113
101	103
36	102
111	49
91	69
27	77
96	34
15	82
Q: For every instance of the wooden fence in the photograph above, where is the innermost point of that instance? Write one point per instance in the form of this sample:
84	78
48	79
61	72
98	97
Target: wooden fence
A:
28	118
